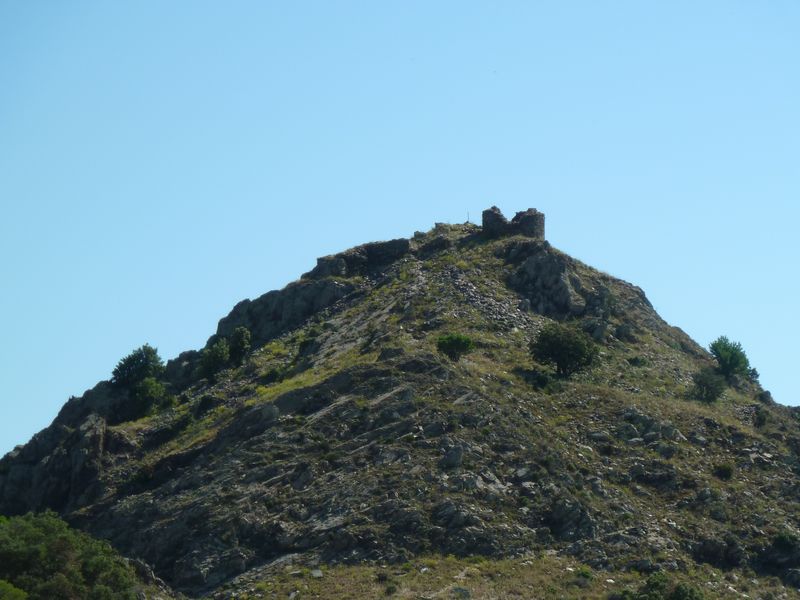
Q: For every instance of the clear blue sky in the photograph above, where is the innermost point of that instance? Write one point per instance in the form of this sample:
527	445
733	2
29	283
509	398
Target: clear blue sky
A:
160	161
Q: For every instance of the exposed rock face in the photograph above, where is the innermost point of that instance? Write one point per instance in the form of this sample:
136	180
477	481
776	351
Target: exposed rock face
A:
59	470
180	371
359	260
529	223
278	311
544	279
568	520
725	553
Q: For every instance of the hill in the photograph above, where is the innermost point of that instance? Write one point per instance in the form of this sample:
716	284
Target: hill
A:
326	443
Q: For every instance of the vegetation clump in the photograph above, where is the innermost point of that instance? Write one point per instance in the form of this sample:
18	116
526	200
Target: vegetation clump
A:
214	358
455	345
732	363
565	347
731	358
708	385
41	558
659	587
222	352
142	398
138	373
723	471
239	345
140	364
10	592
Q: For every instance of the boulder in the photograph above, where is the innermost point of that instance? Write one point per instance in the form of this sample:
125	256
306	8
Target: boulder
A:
569	520
723	553
452	458
270	413
448	514
656	474
627	431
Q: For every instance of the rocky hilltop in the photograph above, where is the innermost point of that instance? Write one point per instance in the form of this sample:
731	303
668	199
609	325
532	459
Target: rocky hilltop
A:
345	437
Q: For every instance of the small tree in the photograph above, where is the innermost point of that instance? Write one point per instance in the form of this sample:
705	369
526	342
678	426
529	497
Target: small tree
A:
142	397
239	345
138	365
9	592
724	471
150	392
731	359
569	349
214	358
455	345
708	385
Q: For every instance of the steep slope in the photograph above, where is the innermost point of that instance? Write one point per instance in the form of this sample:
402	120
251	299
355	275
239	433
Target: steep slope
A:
345	437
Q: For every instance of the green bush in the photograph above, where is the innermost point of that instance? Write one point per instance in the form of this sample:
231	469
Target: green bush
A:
659	587
786	542
684	591
239	345
765	397
723	471
708	385
214	358
150	393
731	359
41	556
638	361
455	345
142	398
567	348
10	592
141	363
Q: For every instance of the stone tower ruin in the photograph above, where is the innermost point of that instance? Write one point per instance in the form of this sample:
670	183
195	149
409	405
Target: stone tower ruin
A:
529	223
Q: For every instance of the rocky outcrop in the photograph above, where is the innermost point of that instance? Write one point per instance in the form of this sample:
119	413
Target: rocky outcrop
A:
276	312
59	469
545	279
279	311
102	400
360	260
723	553
180	371
560	287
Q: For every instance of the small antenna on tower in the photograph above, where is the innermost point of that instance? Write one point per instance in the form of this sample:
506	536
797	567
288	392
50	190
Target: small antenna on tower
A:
467	216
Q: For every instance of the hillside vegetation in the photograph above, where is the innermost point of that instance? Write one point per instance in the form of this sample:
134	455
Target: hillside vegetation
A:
41	558
394	423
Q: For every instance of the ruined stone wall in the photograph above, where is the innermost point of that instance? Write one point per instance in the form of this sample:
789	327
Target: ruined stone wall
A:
529	223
